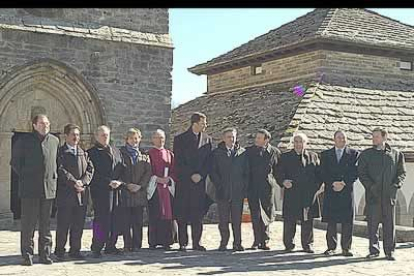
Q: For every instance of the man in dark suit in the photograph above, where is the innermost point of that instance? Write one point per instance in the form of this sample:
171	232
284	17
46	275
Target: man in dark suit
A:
106	189
298	175
230	176
192	151
261	192
75	171
34	161
339	173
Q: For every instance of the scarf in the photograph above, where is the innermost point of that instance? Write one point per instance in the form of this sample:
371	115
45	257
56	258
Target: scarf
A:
133	152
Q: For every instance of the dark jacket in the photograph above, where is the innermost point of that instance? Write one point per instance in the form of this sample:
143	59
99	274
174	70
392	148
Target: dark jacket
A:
303	170
230	173
34	161
192	155
382	173
339	206
262	178
109	165
138	174
70	169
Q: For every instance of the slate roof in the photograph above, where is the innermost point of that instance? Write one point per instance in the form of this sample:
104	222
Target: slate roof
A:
319	113
359	26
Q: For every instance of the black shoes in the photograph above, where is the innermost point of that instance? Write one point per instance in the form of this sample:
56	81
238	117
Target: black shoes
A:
199	248
329	252
289	249
309	250
27	261
264	246
372	255
390	257
182	248
113	251
96	254
347	253
222	248
76	256
254	247
46	260
238	248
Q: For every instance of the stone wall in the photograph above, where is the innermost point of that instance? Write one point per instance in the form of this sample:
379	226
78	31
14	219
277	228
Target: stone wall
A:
133	82
144	20
288	69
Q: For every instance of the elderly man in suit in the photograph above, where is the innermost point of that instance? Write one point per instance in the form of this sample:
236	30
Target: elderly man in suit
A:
192	150
74	175
339	173
34	161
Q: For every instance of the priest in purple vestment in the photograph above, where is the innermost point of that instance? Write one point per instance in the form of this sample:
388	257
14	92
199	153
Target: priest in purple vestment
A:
161	231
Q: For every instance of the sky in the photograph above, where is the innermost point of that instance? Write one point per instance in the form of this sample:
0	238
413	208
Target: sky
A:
202	34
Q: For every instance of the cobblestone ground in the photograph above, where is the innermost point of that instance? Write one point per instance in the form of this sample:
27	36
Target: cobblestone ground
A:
212	262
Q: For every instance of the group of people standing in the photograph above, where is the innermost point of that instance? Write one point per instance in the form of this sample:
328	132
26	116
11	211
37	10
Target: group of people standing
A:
174	187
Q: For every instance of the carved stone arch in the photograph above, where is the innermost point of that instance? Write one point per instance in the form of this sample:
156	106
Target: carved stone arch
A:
43	86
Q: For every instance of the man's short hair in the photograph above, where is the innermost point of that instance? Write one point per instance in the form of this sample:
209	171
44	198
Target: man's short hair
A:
102	128
266	133
196	117
69	127
37	117
384	131
338	132
132	131
229	129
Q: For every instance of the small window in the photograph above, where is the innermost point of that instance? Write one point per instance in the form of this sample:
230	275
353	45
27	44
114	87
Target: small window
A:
257	70
406	65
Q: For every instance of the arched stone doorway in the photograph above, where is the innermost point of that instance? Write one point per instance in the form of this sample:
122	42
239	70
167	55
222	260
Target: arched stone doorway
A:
42	86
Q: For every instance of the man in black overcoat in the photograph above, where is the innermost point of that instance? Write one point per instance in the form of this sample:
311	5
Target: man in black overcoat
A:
192	150
261	192
339	172
34	161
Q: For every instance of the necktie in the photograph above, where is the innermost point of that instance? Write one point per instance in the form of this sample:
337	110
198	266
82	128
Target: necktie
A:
338	154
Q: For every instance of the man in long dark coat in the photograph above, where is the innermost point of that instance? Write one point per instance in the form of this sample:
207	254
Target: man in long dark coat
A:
75	172
106	189
298	175
34	161
339	173
261	192
382	172
192	150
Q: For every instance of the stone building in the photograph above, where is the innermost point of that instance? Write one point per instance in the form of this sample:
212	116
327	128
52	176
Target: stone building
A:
86	66
356	68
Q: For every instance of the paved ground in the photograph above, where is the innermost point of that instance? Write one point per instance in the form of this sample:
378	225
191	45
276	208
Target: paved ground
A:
212	262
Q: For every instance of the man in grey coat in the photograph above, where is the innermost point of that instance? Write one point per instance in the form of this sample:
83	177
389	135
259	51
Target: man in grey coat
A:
382	172
34	161
230	175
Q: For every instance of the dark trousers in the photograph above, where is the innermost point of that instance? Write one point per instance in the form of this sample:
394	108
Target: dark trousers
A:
225	210
70	220
381	213
196	232
289	231
346	235
133	223
35	210
107	225
260	230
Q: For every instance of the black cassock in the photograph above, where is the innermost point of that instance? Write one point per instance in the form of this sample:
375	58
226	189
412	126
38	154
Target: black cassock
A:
303	170
339	206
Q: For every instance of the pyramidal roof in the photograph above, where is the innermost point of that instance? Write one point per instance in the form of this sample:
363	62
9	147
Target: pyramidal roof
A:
359	26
